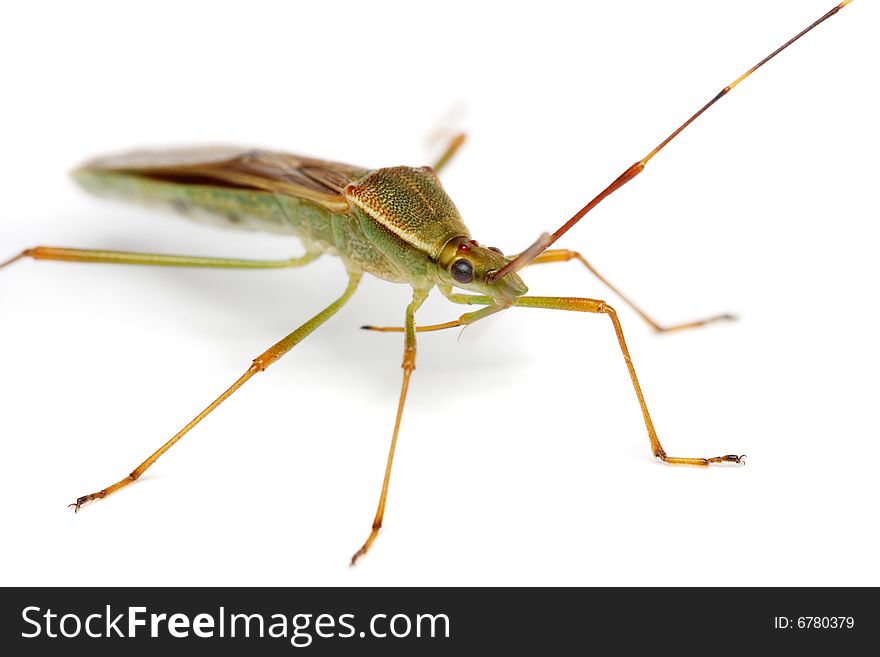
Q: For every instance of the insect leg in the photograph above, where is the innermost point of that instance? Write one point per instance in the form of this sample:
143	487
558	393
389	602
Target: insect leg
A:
15	258
579	305
564	255
464	299
595	306
409	364
552	255
132	258
464	320
450	151
259	364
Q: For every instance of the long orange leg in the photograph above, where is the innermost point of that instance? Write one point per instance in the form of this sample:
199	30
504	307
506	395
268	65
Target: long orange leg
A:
259	364
155	259
564	255
409	364
468	318
576	304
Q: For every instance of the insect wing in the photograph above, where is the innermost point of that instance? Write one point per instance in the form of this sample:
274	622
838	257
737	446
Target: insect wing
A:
317	180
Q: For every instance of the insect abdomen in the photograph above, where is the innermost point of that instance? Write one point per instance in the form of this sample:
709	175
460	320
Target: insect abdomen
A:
231	207
220	206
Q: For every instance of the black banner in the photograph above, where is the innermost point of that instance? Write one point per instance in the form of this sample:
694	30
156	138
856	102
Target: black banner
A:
105	621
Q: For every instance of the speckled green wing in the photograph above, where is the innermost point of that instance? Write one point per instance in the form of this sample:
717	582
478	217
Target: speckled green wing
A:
319	181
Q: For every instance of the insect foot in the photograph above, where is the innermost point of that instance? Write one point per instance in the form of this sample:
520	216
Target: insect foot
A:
366	546
85	498
6	263
678	460
725	317
104	492
729	458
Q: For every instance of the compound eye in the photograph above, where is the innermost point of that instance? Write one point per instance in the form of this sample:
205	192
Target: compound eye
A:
462	271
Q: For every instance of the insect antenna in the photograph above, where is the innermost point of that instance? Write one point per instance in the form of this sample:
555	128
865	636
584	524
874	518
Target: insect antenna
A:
546	240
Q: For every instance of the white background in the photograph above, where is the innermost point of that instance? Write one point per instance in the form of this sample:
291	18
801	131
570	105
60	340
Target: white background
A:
522	457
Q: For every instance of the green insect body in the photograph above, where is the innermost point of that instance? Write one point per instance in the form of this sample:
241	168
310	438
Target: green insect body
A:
393	223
